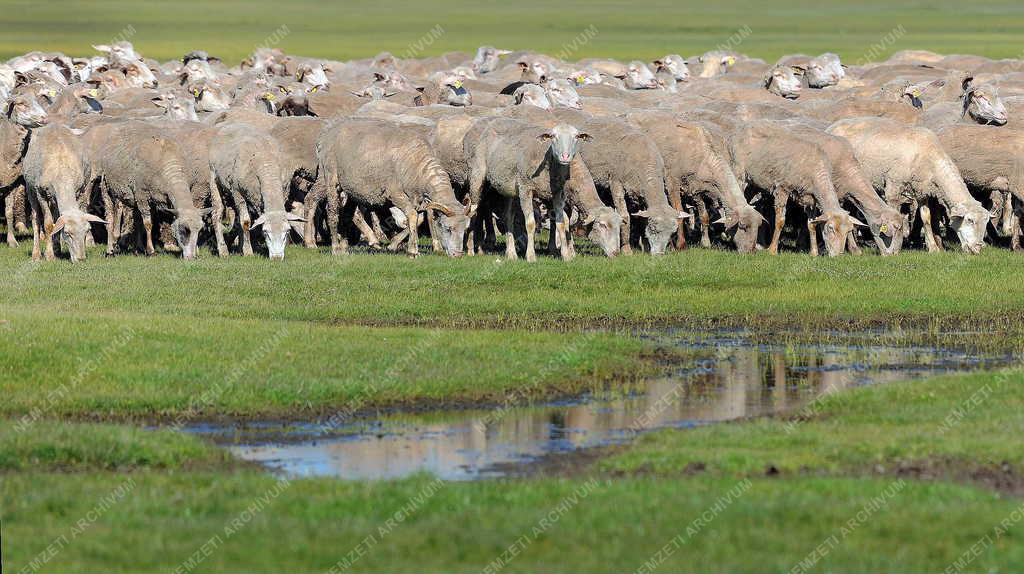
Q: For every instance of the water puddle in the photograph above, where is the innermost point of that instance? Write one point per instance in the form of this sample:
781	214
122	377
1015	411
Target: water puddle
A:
728	378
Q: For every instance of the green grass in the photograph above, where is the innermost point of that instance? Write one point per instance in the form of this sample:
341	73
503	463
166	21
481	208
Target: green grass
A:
960	425
311	525
168	29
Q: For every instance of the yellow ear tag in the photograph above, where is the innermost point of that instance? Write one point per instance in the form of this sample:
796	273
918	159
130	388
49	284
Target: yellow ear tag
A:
458	83
53	93
730	61
93	93
916	93
580	80
195	92
883	229
269	96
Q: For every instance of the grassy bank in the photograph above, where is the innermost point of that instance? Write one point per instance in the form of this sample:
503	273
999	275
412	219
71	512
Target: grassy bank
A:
647	29
693	288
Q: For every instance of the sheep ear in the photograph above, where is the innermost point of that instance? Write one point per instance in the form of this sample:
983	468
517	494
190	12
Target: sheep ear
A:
58	226
967	82
159	102
297	227
293	217
356	94
259	221
101	48
643	214
857	222
95	218
683	215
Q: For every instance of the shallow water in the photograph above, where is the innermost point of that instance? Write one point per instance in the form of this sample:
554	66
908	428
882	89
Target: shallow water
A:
726	379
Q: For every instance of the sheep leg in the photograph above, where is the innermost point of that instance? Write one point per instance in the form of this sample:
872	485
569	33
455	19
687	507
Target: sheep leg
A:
1007	219
780	220
705	223
378	231
147	228
851	244
676	201
47	235
37	218
18	197
244	222
364	228
812	236
217	216
412	246
526	205
510	224
619	201
432	226
559	224
9	214
397	240
112	230
926	229
1015	233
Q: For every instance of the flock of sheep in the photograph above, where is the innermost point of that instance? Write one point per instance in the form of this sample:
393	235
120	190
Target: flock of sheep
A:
716	149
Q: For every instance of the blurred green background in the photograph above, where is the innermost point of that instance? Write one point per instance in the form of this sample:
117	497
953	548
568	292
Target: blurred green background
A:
641	29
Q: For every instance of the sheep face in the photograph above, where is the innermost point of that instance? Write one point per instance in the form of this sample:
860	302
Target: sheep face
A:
138	75
676	65
603	228
313	76
276	226
452	226
661	224
984	106
640	77
186	230
783	81
487	59
825	70
889	232
533	95
970	223
835	227
176	108
564	141
561	93
744	227
24	110
75	225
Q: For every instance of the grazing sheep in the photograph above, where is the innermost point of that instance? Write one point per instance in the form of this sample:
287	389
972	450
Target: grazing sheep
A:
58	179
375	162
786	166
626	162
909	166
141	167
697	167
521	162
247	167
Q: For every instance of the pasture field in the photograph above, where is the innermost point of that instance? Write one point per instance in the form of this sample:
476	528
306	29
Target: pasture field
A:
166	29
919	476
108	341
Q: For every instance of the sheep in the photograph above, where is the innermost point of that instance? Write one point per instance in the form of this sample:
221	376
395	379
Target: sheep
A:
520	161
909	166
783	81
626	162
767	156
990	160
375	162
247	168
19	116
57	175
697	166
141	167
887	224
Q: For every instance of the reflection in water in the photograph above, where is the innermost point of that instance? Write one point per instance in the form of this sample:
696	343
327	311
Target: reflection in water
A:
727	379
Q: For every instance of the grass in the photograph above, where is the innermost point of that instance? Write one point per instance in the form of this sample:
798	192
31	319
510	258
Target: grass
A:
168	29
614	526
955	424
